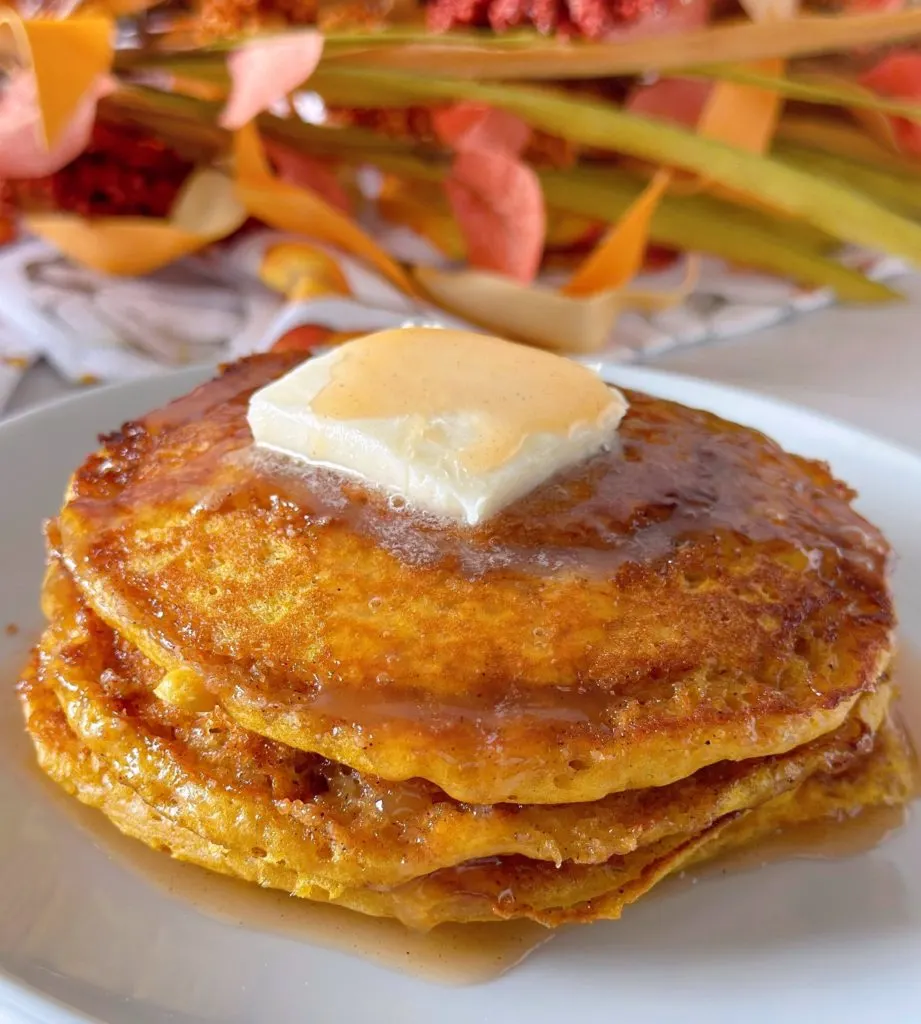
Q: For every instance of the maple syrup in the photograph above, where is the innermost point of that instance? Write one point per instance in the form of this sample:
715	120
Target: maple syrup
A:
474	953
461	954
828	839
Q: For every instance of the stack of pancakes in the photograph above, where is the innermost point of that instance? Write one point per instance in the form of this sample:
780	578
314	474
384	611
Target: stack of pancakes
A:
677	646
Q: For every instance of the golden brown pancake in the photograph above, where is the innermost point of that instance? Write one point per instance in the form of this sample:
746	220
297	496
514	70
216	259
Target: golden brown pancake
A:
336	828
486	890
694	596
887	777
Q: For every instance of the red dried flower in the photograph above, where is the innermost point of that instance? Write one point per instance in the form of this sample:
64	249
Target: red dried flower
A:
123	172
226	17
590	18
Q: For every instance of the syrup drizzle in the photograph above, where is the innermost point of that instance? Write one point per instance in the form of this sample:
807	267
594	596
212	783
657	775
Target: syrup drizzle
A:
670	479
681	491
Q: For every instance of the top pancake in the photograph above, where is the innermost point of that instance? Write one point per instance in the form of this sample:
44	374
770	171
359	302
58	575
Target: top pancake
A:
694	595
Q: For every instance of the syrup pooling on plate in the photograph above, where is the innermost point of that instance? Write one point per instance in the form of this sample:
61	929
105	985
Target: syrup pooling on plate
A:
462	954
711	522
448	954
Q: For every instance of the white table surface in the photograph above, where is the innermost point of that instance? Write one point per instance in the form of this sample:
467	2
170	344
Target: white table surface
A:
862	365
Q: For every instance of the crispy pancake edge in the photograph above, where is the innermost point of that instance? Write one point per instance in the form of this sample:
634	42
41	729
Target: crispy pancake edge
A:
597	892
426	831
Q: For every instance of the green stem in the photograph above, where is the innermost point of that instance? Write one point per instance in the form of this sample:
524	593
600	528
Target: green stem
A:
901	192
704	224
842	212
696	222
822	93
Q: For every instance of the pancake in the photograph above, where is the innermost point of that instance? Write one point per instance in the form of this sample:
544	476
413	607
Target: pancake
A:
494	889
336	828
886	777
692	597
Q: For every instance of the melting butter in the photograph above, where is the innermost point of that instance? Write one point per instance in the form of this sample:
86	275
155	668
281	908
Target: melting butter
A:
456	423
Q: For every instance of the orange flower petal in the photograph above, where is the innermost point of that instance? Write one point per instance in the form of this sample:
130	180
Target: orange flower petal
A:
474	126
23	153
289	208
619	256
299	270
498	203
205	211
125	246
897	75
267	70
84	46
743	115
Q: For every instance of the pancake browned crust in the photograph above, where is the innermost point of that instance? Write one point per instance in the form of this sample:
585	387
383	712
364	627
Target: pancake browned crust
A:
333	828
695	596
491	889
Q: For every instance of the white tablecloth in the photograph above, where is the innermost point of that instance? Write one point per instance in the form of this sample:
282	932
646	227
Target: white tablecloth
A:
858	365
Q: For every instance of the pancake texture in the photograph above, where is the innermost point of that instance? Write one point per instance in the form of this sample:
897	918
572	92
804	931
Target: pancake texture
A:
693	596
333	826
676	648
491	889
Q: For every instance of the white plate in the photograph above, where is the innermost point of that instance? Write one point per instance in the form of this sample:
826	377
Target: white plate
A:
84	936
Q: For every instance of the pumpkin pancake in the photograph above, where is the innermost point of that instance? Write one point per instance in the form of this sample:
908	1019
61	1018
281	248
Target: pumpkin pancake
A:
694	595
489	889
335	828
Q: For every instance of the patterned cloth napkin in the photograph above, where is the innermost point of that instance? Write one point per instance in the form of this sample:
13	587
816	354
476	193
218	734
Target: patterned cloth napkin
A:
213	308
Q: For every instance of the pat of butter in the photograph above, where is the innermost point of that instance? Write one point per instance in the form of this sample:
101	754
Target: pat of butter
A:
455	423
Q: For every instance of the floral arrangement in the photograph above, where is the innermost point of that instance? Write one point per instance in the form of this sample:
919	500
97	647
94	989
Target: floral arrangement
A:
527	141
